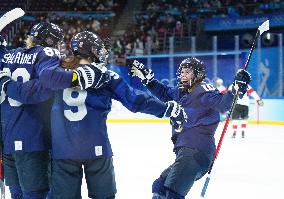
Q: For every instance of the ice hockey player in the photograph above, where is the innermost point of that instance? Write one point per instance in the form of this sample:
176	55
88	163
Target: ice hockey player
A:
79	132
194	146
78	125
25	129
241	111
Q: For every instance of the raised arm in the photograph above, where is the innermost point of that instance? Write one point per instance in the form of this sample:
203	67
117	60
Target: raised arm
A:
161	91
223	102
138	101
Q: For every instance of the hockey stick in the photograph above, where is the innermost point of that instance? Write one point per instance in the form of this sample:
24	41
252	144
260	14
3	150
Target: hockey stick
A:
10	16
7	18
262	28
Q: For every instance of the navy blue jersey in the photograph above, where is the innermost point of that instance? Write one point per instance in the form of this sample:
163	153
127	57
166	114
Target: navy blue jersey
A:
202	106
78	118
25	126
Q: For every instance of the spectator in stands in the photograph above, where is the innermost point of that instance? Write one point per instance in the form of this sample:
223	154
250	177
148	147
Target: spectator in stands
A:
96	25
118	48
138	47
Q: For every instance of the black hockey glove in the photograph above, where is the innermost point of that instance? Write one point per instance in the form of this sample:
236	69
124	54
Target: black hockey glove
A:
176	114
2	41
5	77
139	70
241	81
91	75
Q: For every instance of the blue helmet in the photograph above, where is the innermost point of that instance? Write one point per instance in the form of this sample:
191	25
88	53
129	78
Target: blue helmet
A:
47	34
89	45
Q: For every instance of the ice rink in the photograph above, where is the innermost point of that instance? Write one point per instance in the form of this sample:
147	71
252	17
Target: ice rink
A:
249	168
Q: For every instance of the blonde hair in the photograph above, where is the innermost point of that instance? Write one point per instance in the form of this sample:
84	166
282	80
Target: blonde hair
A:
29	41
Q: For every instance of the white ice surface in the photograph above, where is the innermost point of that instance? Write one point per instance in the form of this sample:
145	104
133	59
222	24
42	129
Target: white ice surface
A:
249	168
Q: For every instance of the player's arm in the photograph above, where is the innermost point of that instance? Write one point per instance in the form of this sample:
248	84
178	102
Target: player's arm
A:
161	91
49	72
133	99
34	91
30	92
215	100
138	101
53	76
256	97
223	102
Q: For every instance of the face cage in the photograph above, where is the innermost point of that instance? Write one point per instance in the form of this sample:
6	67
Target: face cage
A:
189	84
102	55
64	51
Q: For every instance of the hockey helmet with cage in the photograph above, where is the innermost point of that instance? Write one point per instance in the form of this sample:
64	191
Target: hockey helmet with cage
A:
89	45
47	34
199	72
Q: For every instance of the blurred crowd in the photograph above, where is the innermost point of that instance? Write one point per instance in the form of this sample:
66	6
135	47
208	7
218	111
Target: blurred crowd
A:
64	5
160	19
70	24
154	23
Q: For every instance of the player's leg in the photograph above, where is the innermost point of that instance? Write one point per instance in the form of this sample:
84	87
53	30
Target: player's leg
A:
11	177
100	178
243	127
235	118
32	169
161	192
244	116
235	128
158	189
16	192
49	194
173	195
190	165
66	177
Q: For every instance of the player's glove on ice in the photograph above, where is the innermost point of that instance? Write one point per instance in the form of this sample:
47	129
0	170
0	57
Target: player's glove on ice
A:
5	77
176	114
139	70
241	81
92	75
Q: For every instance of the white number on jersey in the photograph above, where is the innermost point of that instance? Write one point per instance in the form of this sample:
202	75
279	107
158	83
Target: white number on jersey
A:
19	72
51	51
208	87
78	99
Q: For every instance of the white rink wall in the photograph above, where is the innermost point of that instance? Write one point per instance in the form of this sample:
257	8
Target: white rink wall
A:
270	113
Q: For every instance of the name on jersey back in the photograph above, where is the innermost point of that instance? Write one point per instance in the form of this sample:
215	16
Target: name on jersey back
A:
19	58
